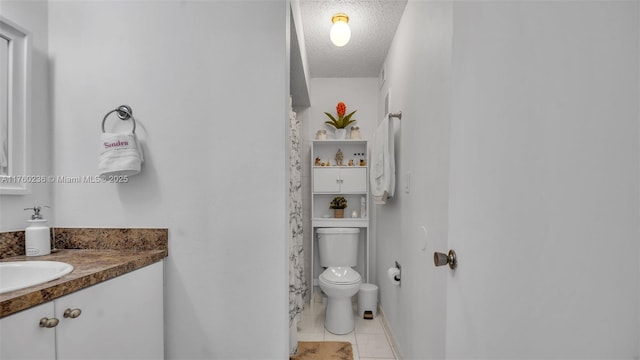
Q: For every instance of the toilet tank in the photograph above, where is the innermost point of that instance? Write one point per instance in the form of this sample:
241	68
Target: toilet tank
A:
338	246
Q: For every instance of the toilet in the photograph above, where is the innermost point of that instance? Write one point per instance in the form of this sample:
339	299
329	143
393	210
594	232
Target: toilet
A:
338	250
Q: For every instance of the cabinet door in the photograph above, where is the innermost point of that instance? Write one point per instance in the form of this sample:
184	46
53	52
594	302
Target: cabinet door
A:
326	180
121	318
354	180
21	336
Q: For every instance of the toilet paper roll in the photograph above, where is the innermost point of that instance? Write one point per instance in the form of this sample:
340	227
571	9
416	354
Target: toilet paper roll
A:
394	273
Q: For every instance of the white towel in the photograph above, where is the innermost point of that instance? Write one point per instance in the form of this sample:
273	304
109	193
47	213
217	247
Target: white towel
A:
120	154
383	168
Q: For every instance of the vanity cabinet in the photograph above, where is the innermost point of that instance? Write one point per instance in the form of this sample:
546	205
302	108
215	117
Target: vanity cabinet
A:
22	338
121	318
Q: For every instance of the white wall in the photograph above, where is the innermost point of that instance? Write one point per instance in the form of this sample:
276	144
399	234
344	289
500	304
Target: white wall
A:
32	16
418	70
210	94
359	94
520	128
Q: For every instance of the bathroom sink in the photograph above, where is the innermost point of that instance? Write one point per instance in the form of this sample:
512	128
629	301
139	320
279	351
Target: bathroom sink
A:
15	275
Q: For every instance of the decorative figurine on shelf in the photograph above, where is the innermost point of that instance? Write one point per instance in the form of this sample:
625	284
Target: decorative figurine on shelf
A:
355	133
363	162
318	162
350	162
339	157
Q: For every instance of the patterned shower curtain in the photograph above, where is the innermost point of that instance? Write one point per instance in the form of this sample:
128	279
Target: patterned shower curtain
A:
297	285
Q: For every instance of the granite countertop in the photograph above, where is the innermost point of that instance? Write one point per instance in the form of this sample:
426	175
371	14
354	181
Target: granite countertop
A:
90	267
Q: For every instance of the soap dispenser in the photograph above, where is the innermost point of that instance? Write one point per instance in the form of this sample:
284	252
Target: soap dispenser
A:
37	235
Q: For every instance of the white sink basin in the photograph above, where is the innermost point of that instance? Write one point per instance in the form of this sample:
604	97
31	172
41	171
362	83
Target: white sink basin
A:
15	275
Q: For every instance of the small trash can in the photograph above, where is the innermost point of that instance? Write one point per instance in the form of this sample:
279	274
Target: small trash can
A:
368	299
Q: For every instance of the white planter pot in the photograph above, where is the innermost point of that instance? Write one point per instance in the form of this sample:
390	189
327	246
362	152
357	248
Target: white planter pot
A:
340	134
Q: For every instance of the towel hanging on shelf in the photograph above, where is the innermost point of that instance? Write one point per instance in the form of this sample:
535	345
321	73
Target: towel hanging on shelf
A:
120	153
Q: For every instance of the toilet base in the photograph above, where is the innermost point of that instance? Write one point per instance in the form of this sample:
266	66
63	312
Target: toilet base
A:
339	317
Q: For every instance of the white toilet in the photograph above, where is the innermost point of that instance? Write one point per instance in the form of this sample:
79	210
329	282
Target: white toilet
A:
338	249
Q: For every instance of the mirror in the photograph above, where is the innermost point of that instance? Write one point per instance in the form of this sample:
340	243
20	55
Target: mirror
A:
14	108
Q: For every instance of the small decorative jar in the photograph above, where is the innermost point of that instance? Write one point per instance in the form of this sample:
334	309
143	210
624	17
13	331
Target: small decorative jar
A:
321	135
355	133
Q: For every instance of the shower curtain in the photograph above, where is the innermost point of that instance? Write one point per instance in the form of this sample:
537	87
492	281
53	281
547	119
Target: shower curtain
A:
297	285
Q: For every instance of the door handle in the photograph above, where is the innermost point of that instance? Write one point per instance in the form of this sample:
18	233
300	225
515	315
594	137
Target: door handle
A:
440	259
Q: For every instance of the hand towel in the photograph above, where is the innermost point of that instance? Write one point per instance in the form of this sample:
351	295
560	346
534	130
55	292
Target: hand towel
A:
120	154
382	174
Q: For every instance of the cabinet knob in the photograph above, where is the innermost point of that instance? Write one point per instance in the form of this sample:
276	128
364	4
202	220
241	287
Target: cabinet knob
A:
48	323
72	313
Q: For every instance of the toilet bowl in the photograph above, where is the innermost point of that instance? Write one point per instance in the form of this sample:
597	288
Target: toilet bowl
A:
338	252
339	284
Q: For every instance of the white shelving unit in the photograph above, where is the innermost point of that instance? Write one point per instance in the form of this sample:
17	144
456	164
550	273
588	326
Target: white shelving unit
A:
352	182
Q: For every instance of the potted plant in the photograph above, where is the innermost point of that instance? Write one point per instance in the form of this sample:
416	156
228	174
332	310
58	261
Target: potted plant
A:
338	204
341	123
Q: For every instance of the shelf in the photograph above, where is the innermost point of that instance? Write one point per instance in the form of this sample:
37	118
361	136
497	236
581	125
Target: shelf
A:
340	193
346	141
336	166
346	222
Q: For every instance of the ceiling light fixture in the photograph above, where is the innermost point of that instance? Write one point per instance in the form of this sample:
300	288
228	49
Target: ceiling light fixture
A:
340	31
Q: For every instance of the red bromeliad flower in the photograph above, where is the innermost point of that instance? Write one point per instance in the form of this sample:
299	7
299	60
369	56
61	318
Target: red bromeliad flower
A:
341	109
342	121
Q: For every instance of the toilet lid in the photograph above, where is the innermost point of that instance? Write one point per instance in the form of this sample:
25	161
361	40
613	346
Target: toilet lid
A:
340	275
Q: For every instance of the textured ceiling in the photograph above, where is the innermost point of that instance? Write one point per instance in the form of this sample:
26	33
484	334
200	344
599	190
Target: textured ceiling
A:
373	24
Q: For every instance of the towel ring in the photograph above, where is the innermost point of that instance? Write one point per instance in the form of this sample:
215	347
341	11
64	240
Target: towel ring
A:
124	113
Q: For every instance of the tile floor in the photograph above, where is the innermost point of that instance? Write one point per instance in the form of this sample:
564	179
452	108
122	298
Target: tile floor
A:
368	341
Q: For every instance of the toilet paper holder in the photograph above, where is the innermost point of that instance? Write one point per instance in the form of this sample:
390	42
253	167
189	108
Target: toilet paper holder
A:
397	277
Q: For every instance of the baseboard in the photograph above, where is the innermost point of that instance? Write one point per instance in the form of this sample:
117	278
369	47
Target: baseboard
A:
387	331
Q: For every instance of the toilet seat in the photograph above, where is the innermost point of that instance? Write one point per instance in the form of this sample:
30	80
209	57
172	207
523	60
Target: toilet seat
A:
340	275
